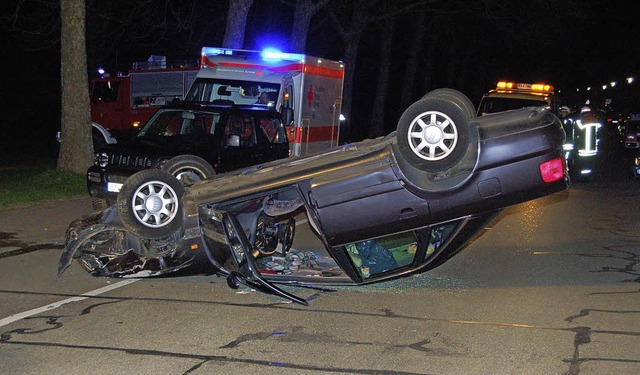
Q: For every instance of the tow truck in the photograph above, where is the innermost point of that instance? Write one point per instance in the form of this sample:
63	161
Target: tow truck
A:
122	104
515	95
306	90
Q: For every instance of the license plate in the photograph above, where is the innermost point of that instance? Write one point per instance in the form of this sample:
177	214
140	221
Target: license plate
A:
113	187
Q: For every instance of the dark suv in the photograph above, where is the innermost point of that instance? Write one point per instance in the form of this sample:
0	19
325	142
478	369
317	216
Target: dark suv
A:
192	142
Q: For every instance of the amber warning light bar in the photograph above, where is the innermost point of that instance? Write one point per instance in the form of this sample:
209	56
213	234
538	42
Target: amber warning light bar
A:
540	87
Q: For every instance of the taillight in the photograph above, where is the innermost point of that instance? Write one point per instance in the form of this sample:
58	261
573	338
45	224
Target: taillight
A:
552	170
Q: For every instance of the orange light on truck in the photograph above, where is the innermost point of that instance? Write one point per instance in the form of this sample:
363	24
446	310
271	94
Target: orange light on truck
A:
541	87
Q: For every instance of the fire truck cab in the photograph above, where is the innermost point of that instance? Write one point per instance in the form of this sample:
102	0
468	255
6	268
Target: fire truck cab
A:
307	90
123	104
513	95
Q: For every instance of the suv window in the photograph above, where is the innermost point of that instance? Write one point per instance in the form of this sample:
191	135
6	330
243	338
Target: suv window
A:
180	122
241	125
273	130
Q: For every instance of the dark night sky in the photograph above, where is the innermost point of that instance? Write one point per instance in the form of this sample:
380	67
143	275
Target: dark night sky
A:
594	43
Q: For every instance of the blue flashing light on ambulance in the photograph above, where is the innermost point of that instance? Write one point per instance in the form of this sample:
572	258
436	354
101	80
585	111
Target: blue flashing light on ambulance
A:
307	90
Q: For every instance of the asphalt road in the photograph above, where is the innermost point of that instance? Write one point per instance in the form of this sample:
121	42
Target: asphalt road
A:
552	287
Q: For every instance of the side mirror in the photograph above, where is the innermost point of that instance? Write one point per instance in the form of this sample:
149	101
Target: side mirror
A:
287	116
232	141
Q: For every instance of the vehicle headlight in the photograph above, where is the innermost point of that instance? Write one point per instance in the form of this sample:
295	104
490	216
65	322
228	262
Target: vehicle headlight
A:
101	159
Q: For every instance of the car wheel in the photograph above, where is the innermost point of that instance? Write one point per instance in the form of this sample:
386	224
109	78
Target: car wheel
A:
433	134
456	97
188	169
266	235
150	205
286	232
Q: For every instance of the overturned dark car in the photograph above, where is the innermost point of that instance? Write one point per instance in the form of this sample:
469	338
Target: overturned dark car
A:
358	214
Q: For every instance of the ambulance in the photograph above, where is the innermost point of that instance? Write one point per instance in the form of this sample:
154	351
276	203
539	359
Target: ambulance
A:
514	95
306	90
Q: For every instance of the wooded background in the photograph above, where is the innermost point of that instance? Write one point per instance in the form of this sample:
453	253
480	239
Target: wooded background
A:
394	51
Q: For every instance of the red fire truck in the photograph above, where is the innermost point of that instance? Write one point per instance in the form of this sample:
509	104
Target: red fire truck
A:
122	103
307	90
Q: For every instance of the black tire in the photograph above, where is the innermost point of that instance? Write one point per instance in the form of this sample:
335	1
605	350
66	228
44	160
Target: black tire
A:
189	169
433	134
456	97
150	204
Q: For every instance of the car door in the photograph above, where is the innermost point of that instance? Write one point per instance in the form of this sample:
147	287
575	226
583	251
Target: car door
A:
272	143
242	268
239	147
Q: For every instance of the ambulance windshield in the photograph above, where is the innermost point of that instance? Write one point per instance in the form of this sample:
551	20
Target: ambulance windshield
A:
236	91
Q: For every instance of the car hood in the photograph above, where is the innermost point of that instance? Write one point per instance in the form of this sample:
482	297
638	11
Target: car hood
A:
152	146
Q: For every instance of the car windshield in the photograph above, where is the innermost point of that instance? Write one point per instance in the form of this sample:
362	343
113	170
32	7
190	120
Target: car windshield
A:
237	91
171	122
493	105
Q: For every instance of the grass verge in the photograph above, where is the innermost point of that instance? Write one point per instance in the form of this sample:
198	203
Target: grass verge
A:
33	183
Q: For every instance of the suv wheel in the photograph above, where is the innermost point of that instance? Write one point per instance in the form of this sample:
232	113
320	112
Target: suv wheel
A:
189	169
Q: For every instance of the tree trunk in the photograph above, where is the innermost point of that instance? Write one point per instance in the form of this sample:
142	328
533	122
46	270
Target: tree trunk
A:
236	23
377	116
359	19
76	148
413	60
303	13
350	56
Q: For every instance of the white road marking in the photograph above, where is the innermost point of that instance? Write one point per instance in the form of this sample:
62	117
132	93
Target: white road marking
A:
55	305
